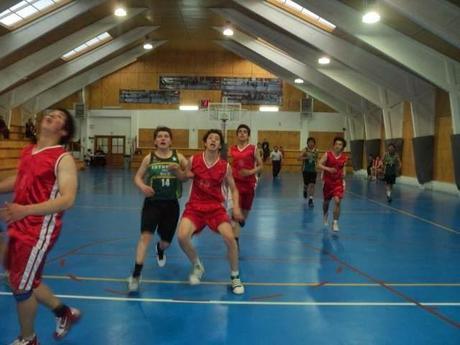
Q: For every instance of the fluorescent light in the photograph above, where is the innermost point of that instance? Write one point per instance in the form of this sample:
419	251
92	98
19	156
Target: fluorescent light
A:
371	17
120	12
298	81
148	46
88	45
228	32
23	11
269	108
324	60
188	107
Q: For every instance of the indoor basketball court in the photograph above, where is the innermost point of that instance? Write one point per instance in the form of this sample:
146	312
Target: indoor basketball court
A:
335	221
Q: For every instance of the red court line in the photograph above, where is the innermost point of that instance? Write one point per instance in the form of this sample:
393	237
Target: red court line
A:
387	287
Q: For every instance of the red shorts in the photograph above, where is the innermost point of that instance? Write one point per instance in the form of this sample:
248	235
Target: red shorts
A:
332	190
201	218
25	262
246	193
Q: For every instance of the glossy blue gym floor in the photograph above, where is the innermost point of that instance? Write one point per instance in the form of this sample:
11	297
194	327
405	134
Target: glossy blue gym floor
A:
391	276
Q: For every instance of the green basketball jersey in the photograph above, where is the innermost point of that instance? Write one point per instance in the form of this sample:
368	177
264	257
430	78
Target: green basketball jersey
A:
164	183
391	162
309	164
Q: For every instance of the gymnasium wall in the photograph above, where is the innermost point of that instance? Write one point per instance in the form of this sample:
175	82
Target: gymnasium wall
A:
105	121
145	73
442	160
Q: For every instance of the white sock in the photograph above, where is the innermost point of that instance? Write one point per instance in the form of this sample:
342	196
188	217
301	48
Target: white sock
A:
388	193
311	198
235	274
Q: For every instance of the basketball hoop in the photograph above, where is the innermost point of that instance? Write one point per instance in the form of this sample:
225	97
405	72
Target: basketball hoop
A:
224	112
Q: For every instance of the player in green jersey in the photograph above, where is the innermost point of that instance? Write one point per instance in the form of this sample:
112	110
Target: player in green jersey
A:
391	166
309	158
159	179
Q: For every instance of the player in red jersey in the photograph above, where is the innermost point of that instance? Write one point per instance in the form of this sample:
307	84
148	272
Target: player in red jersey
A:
333	165
45	186
205	206
246	164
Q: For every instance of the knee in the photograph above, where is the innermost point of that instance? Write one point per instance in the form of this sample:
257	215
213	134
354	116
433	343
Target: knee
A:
146	237
182	236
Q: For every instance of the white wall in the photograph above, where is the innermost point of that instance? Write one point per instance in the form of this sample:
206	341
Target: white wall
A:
127	122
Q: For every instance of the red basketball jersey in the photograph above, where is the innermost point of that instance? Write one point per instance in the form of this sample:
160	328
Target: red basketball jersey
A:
208	190
334	162
243	159
36	182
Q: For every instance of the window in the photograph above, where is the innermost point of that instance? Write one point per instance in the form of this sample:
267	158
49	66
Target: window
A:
26	11
301	12
87	46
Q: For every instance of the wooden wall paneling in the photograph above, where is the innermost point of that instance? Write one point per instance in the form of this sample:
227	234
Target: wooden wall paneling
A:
324	140
290	140
145	136
180	137
321	107
443	163
408	163
111	90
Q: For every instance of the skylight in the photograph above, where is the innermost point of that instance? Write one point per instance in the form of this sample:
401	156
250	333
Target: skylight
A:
299	11
88	45
27	10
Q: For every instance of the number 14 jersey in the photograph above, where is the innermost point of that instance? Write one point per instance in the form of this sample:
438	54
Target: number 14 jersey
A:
164	183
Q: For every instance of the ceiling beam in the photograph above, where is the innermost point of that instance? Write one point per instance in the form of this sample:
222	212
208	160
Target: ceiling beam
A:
34	62
383	72
68	87
338	71
354	117
441	17
298	68
34	87
19	38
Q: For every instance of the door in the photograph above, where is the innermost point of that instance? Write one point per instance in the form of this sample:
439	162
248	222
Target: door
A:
114	148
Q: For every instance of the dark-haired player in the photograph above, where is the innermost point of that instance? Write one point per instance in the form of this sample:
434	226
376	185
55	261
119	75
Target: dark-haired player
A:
333	165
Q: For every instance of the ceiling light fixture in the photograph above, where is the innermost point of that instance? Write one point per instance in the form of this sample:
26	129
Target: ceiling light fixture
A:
324	60
148	46
228	31
371	17
120	12
188	107
298	81
269	108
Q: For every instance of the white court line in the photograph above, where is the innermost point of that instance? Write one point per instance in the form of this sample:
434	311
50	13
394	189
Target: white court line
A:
302	304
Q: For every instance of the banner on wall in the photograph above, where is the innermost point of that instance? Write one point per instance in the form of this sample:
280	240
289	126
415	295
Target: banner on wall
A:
150	96
260	91
190	83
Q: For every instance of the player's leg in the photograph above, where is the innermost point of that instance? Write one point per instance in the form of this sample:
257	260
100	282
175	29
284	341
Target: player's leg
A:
149	222
225	230
186	229
336	214
166	229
